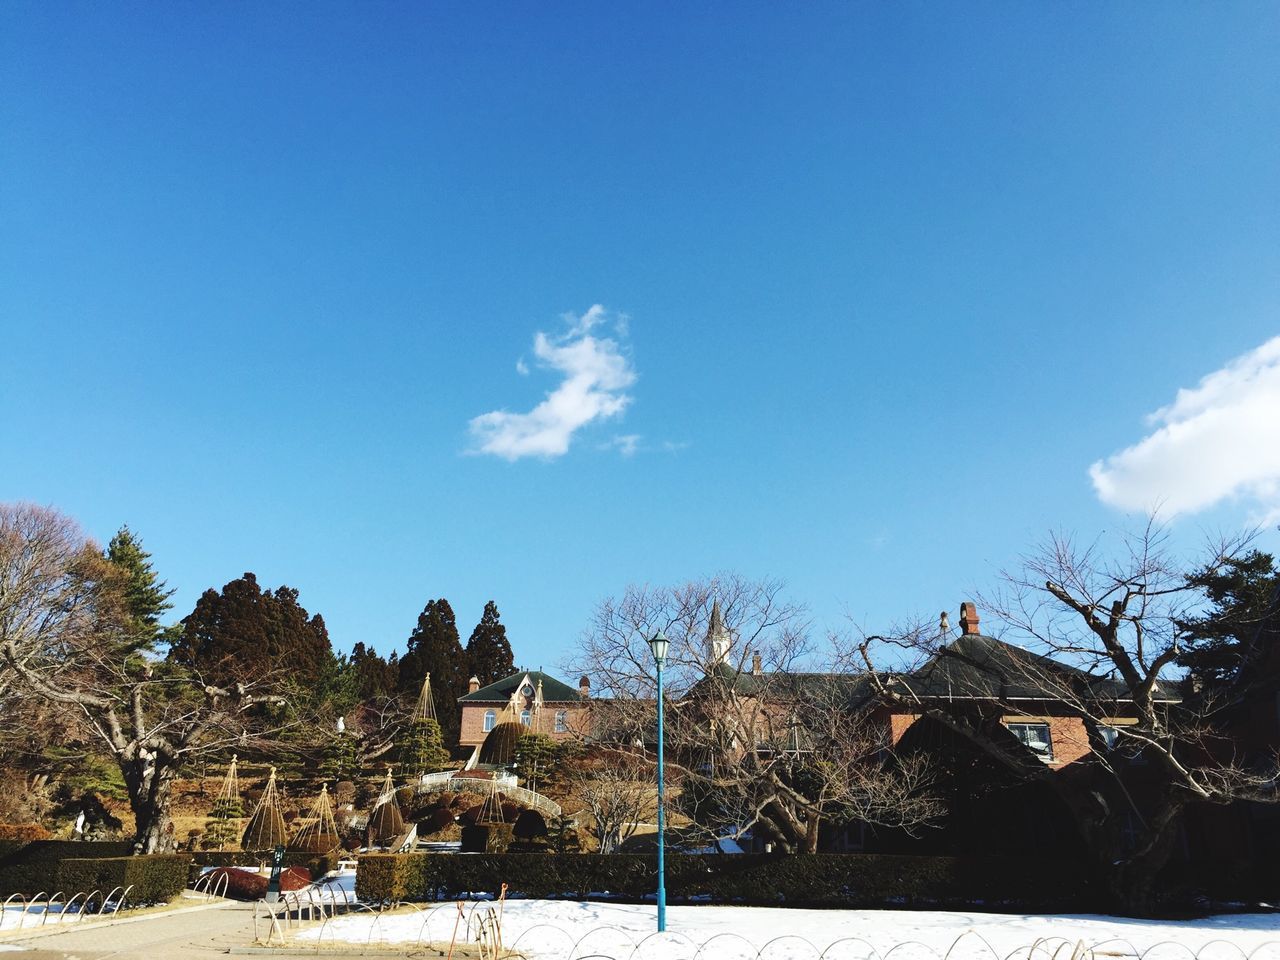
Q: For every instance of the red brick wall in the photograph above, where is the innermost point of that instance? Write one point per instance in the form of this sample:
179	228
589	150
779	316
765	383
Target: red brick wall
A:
578	720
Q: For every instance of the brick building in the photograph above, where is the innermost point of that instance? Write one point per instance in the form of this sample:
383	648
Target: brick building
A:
532	698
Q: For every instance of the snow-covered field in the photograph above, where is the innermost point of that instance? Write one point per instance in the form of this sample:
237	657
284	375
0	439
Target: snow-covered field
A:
566	930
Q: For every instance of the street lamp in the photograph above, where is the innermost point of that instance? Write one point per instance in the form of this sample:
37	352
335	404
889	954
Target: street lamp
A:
658	643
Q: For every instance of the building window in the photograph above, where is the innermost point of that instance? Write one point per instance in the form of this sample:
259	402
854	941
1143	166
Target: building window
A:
524	717
1035	737
1110	736
562	721
490	718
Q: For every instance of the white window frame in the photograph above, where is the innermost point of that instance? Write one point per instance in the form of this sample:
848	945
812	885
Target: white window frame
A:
526	718
1047	756
490	720
562	721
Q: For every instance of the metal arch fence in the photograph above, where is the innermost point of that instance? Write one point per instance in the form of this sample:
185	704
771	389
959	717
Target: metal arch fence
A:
43	905
336	921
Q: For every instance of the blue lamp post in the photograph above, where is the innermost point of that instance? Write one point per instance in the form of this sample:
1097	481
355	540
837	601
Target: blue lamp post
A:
658	644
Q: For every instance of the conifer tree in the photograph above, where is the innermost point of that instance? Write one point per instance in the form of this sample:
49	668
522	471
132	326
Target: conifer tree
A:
245	633
144	594
489	655
1227	638
422	748
434	648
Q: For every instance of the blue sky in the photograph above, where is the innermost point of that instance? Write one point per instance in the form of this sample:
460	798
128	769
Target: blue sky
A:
878	284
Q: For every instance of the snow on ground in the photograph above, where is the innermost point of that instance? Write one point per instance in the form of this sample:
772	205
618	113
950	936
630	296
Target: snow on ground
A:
568	930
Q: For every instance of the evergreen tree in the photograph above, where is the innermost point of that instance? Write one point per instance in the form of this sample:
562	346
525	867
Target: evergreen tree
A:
422	748
1225	639
536	759
245	633
144	595
372	676
488	652
434	647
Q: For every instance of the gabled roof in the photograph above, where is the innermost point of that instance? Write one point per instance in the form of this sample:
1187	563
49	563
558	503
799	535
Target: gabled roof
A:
845	689
972	667
979	667
553	690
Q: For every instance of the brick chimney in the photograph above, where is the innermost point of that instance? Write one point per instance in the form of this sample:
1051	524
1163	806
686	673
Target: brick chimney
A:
584	687
969	619
757	667
473	685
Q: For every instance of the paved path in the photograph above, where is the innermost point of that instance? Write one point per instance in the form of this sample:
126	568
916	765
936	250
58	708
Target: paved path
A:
199	934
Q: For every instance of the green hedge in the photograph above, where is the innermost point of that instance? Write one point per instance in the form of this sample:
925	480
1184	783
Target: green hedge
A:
155	879
820	880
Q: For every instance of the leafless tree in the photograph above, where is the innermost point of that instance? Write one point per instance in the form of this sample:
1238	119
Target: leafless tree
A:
1098	630
616	787
63	642
756	738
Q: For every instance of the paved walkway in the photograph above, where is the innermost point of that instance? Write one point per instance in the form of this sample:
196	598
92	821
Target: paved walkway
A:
199	934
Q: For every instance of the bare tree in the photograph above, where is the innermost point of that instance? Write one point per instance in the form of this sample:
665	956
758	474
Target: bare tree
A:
63	641
1099	633
756	739
616	787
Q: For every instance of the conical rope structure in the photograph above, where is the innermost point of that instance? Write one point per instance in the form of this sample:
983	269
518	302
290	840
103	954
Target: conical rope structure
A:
426	708
320	833
266	828
499	747
386	823
224	818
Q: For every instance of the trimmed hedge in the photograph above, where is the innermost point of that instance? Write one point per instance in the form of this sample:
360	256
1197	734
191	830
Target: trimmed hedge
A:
155	879
818	880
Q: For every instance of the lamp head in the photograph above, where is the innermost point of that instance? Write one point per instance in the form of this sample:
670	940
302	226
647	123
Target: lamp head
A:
658	643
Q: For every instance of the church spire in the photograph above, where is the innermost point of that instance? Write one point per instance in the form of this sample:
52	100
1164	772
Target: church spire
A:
718	638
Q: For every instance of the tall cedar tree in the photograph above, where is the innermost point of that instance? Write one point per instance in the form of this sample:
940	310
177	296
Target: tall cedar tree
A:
488	652
145	596
372	677
246	633
1226	638
434	648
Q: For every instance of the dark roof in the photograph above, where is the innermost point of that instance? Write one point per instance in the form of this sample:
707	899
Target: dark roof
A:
973	666
846	688
984	668
553	690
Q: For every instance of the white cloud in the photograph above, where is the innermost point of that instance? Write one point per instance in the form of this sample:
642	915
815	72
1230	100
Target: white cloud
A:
626	444
522	368
596	374
1217	440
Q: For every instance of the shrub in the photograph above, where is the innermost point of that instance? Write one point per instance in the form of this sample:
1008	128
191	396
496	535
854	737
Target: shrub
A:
530	826
244	885
821	880
23	831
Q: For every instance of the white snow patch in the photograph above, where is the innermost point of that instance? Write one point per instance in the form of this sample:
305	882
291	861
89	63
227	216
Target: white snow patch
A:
551	928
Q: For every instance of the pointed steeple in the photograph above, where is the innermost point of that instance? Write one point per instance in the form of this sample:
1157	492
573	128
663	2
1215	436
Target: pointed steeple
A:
718	639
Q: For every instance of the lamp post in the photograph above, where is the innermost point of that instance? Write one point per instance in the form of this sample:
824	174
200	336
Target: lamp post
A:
658	644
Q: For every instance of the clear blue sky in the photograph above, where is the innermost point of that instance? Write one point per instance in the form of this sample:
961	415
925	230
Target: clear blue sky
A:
896	276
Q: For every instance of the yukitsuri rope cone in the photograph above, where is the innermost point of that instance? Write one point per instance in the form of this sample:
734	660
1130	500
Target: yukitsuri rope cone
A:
426	708
385	821
320	833
224	818
499	747
266	828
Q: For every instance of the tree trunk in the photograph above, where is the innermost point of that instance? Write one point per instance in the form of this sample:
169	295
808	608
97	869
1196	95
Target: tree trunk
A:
150	799
811	833
1127	877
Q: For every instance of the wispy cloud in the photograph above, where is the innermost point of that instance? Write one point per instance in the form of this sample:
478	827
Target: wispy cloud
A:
1217	440
596	375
